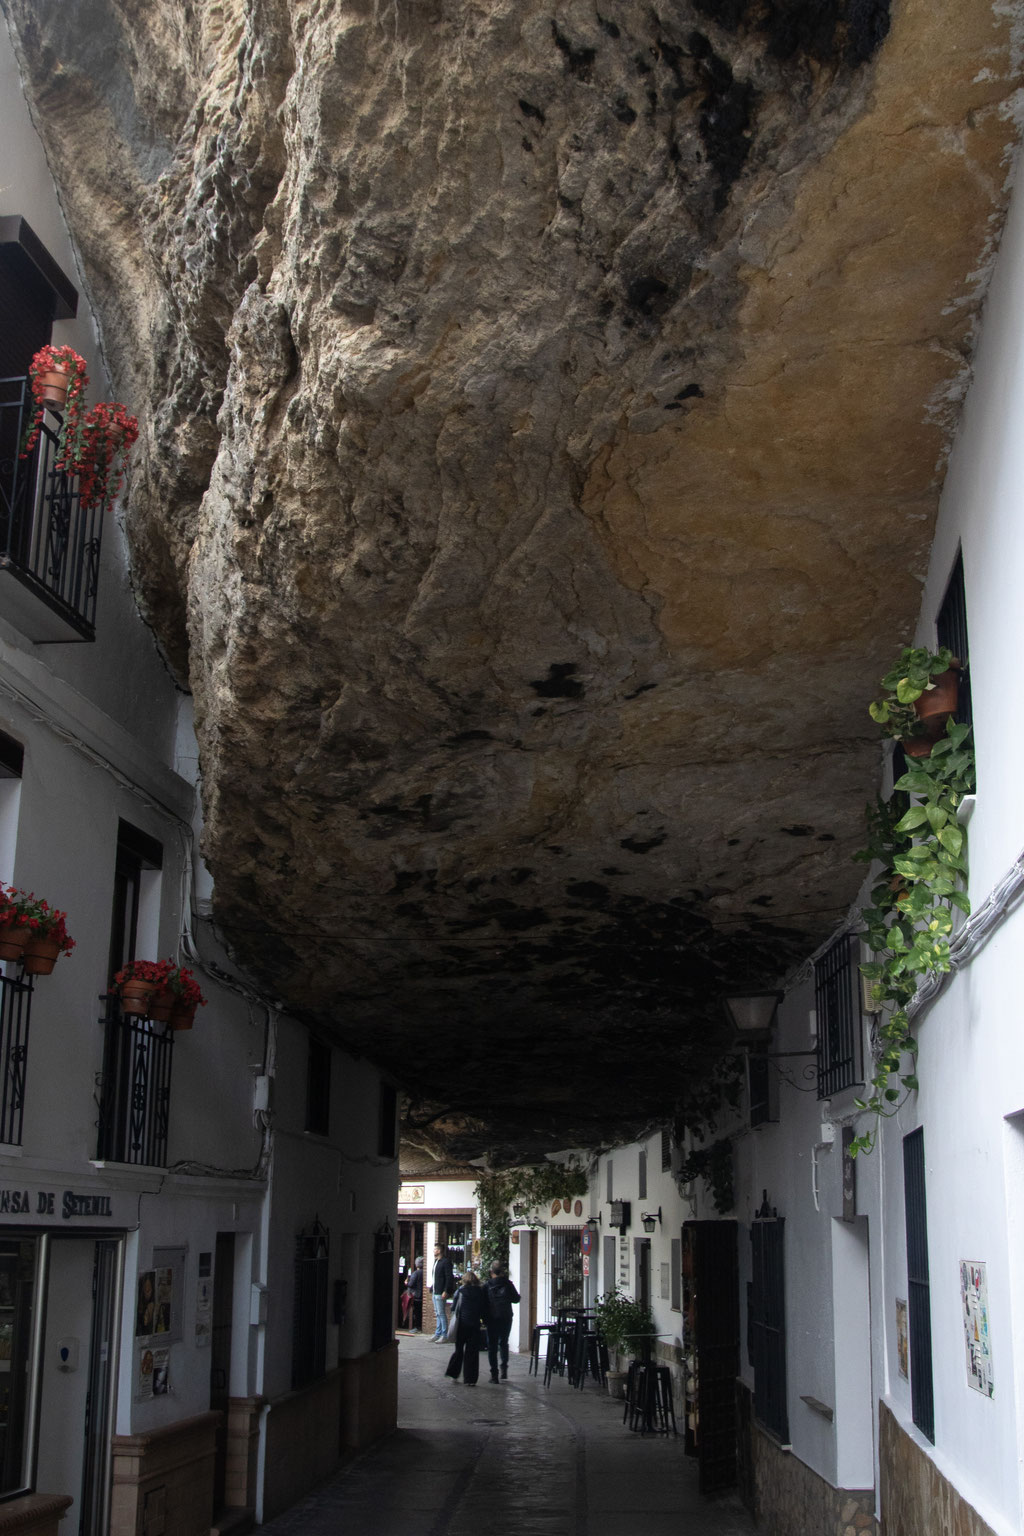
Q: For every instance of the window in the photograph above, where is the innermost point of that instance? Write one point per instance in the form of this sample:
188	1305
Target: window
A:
642	1175
318	1088
136	877
837	1004
387	1133
135	1090
309	1317
666	1149
677	1274
762	1090
951	629
49	542
608	1180
767	1322
11	761
919	1319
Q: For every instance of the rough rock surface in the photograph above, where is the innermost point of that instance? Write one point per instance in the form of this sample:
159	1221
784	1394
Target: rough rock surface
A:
544	409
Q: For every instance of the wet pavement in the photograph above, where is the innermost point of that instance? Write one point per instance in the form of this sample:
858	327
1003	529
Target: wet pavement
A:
516	1459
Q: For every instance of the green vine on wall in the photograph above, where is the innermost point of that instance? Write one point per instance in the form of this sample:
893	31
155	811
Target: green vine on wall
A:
526	1188
922	851
713	1164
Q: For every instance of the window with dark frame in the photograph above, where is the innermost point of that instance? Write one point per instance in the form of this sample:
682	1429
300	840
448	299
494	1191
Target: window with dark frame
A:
666	1149
136	852
12	757
387	1135
762	1090
309	1317
318	1088
837	1004
767	1322
608	1180
641	1177
951	630
919	1320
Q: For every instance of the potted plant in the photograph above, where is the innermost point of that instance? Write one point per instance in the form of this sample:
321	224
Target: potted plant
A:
187	996
920	696
136	982
619	1320
921	852
106	438
33	932
58	379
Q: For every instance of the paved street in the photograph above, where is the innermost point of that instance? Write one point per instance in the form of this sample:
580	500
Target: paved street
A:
510	1460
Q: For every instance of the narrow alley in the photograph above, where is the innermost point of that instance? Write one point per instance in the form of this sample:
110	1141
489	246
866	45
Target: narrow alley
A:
518	1459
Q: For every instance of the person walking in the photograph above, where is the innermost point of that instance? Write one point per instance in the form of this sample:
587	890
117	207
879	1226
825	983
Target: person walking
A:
441	1289
414	1288
501	1295
469	1317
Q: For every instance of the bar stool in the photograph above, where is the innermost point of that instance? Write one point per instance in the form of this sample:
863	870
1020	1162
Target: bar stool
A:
538	1328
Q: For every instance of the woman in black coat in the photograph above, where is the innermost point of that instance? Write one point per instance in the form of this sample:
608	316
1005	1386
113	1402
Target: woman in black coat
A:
469	1317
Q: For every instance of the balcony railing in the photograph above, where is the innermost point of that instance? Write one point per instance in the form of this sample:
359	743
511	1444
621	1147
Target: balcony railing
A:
135	1089
15	1017
48	541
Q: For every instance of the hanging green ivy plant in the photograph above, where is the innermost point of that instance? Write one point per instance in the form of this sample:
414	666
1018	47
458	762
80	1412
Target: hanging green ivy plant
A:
713	1164
922	850
525	1187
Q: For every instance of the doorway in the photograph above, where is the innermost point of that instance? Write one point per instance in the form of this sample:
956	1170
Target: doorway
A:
72	1369
410	1248
220	1355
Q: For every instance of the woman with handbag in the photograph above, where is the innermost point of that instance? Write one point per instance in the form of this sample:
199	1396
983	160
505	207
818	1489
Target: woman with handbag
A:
468	1320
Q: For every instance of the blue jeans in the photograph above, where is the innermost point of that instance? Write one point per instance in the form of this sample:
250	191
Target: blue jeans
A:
440	1317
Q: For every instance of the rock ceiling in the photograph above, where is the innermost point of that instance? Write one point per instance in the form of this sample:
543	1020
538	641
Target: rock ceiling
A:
544	410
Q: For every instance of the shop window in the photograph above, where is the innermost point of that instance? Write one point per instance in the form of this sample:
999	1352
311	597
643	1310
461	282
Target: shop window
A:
17	1298
309	1318
919	1319
318	1088
837	1006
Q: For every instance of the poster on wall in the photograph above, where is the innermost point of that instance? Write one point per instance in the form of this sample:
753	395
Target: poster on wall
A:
902	1339
974	1307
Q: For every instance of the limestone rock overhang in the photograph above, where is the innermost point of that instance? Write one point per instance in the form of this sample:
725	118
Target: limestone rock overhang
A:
544	412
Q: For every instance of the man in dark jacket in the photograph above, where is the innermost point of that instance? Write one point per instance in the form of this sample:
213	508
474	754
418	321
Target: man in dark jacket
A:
442	1289
501	1294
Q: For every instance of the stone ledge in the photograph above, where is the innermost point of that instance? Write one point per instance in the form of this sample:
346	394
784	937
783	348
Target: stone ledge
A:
40	1513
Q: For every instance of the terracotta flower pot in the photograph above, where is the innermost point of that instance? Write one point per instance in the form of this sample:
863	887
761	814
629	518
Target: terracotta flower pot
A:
135	996
41	952
55	383
183	1016
933	709
13	941
161	1005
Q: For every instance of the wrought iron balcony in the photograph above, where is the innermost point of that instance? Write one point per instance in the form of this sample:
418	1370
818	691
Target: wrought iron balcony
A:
49	543
15	1017
135	1089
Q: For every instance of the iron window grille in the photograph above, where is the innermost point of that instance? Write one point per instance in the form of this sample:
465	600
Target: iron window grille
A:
135	1089
767	1321
309	1323
951	630
15	1018
48	540
919	1319
837	1003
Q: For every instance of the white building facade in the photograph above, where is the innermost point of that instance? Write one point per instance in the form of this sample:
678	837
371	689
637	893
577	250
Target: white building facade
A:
196	1226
